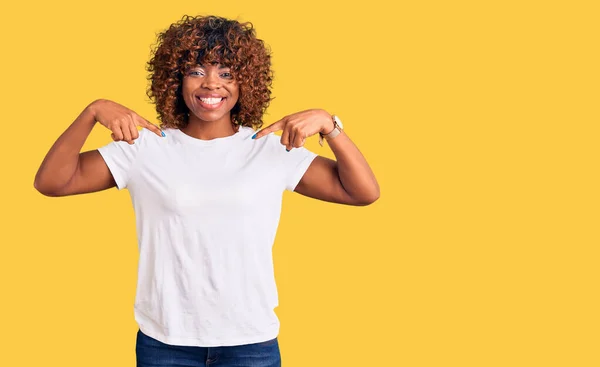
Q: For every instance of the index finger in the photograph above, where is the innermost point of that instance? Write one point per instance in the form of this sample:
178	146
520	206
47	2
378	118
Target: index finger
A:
146	124
279	125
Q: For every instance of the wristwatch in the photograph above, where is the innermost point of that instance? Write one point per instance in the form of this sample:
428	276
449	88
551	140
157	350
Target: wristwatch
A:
337	129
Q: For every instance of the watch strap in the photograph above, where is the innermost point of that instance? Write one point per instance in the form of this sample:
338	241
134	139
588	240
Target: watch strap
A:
335	132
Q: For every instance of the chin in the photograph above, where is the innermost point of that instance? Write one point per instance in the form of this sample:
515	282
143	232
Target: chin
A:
209	117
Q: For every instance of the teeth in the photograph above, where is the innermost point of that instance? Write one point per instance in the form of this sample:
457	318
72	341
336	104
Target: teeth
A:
211	100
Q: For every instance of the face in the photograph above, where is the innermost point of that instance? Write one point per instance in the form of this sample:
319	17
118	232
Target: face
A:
210	92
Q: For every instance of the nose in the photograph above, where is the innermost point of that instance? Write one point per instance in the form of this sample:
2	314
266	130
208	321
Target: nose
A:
211	81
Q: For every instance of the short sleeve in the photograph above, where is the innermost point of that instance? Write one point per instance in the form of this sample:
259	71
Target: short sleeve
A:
120	157
296	162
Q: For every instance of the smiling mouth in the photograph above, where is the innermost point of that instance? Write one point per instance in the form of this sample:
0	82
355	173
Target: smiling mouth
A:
210	102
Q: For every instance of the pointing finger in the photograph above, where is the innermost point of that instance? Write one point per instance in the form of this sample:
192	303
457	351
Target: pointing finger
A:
279	125
146	124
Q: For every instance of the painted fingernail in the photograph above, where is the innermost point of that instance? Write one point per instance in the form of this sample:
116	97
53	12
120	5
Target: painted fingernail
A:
163	133
287	150
254	136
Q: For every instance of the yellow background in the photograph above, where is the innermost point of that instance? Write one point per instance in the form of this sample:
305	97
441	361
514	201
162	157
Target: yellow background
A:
480	120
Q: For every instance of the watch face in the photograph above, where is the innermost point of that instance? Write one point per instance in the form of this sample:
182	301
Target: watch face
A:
338	121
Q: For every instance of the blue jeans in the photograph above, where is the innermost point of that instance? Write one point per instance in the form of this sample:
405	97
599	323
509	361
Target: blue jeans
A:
153	353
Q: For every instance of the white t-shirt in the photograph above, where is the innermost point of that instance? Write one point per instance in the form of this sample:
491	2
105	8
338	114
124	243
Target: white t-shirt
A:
206	215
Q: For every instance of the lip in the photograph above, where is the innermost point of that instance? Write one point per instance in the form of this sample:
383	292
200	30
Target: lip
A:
207	106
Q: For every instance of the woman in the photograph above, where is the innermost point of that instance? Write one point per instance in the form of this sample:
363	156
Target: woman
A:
207	190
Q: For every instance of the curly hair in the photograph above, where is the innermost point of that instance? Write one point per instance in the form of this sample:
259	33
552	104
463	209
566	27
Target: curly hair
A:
208	39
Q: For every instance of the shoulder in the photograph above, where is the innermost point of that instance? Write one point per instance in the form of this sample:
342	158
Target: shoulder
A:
268	143
271	144
146	135
148	139
271	140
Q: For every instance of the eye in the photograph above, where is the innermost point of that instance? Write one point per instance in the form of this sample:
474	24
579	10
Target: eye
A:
226	75
196	72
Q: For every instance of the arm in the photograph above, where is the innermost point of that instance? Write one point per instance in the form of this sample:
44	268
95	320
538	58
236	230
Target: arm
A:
348	180
65	171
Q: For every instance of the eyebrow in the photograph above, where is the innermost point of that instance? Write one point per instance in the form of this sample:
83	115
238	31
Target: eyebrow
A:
213	63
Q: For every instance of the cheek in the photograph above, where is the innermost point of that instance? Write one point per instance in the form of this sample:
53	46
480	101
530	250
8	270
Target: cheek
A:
185	85
235	93
186	91
187	99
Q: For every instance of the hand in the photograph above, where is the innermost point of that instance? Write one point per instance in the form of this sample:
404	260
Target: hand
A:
120	120
299	126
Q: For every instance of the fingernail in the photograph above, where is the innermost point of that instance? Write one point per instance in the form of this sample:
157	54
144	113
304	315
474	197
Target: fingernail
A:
254	136
163	133
287	150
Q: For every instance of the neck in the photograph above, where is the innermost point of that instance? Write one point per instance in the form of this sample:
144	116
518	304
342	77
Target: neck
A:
208	130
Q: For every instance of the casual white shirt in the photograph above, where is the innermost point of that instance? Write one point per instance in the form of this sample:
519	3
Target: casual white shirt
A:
207	212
